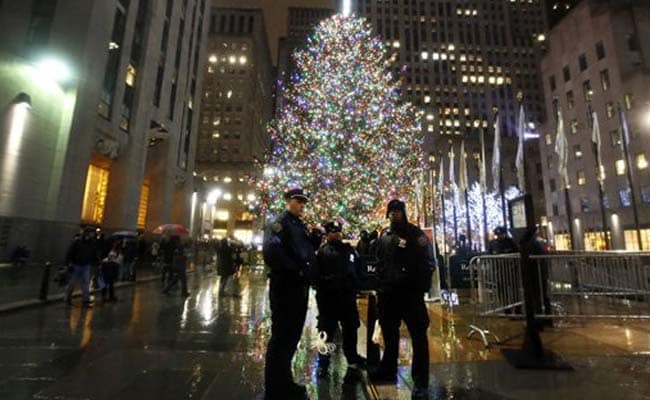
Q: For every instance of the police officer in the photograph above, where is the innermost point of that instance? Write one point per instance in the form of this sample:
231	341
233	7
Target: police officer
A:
503	244
405	266
291	257
337	283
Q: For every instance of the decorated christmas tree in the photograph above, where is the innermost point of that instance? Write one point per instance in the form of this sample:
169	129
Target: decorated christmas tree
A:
343	134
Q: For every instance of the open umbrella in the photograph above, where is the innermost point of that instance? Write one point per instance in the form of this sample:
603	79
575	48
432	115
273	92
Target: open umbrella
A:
171	229
125	234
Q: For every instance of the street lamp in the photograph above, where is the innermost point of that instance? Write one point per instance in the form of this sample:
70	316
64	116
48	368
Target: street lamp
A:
55	69
213	196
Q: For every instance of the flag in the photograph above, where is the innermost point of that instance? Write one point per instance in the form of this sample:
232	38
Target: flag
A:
452	175
482	172
562	150
462	169
496	154
519	161
595	138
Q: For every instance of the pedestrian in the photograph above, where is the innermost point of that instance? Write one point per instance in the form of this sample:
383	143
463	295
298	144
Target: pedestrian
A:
337	284
405	266
502	244
130	253
166	256
178	267
81	257
225	264
110	268
290	255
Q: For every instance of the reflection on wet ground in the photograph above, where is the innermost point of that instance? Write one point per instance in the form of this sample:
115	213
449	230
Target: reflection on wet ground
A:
151	346
610	360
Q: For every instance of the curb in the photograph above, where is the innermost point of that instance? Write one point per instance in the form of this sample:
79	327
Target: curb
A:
23	304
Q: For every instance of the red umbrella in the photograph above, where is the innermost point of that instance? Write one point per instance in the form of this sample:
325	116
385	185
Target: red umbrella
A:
171	229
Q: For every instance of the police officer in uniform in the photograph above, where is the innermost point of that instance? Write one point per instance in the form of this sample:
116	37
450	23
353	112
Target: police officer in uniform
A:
291	257
405	266
337	283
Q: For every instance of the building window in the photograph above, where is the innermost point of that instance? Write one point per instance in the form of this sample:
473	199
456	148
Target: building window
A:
577	150
144	205
600	50
645	194
641	161
40	24
628	101
567	73
552	185
562	242
94	201
549	139
610	110
586	90
556	211
604	80
584	204
107	95
582	180
625	197
595	241
582	62
575	126
552	83
620	167
615	137
569	99
632	242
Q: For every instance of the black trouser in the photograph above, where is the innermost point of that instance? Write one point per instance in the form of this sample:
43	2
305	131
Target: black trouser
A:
337	306
177	274
289	300
109	273
407	306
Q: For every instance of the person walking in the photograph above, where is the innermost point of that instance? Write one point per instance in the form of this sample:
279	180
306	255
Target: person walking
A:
81	257
178	267
290	255
337	284
166	256
110	268
405	265
225	264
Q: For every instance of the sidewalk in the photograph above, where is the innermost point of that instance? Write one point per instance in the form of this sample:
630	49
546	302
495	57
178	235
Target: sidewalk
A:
610	361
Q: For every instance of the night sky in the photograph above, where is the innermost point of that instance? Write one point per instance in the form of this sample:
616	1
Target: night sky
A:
275	12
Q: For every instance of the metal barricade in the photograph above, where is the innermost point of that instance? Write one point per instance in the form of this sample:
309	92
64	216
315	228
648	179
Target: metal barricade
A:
571	286
604	285
496	291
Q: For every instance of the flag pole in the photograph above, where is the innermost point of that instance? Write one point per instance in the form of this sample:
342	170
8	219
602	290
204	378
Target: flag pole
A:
595	146
482	171
630	177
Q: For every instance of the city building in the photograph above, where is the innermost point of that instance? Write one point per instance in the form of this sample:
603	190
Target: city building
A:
557	9
237	105
99	103
301	24
463	60
597	60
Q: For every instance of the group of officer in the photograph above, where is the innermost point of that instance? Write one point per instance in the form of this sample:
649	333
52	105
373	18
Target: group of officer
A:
297	260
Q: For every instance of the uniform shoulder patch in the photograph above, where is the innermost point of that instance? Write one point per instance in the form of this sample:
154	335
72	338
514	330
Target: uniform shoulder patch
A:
423	240
276	227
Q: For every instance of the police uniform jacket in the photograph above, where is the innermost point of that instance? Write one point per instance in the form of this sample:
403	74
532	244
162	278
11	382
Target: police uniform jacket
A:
288	249
404	259
338	268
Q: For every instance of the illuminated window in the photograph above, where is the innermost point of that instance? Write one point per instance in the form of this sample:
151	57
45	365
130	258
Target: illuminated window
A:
94	202
577	151
130	75
562	242
582	180
620	167
595	241
144	205
610	110
604	80
641	161
549	139
632	242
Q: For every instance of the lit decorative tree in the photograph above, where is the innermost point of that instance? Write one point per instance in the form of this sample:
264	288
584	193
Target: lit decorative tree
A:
344	134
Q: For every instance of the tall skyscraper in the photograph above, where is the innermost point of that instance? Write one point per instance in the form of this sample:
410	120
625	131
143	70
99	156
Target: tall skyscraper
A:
300	26
237	104
598	61
102	97
558	9
462	60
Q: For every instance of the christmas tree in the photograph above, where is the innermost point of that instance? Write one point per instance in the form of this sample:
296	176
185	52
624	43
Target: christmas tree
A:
344	134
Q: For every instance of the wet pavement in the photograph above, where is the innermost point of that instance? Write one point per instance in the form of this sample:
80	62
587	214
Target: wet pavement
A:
151	346
610	360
